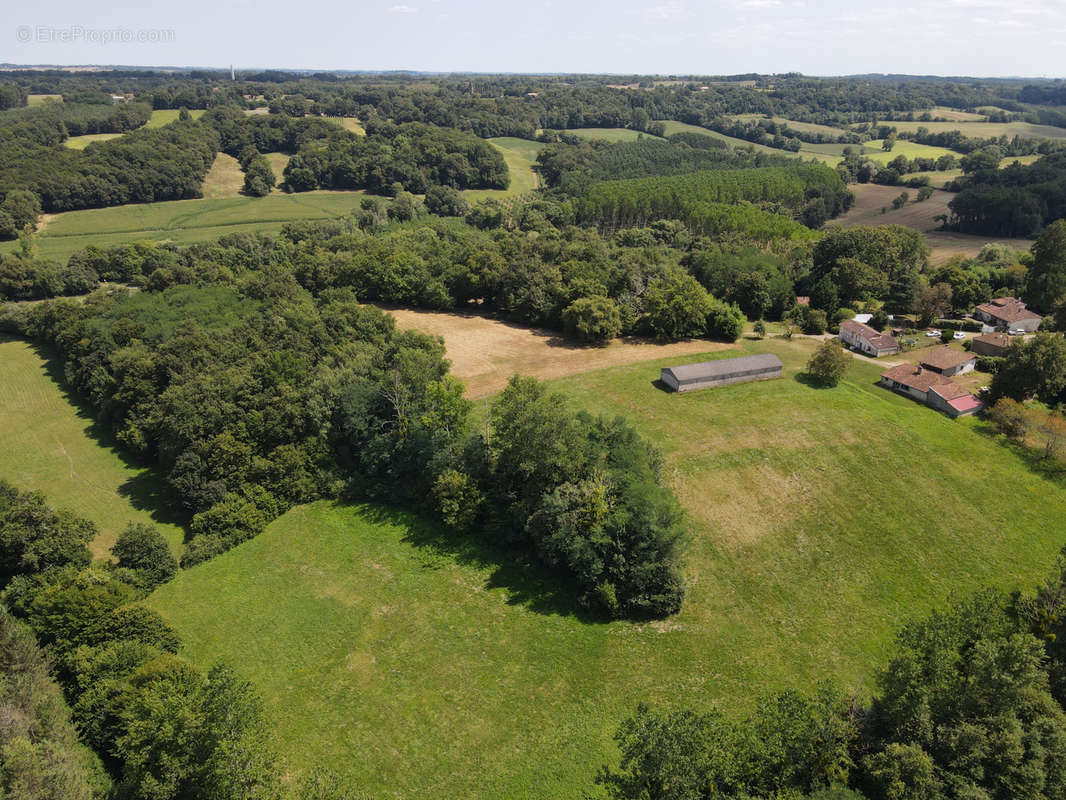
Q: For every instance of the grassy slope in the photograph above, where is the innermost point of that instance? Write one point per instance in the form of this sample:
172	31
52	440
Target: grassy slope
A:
185	220
610	134
986	130
819	519
224	179
520	156
673	127
81	142
349	124
50	445
164	116
903	147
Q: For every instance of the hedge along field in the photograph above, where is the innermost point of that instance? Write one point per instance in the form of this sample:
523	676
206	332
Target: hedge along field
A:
53	446
832	159
610	134
818	521
184	221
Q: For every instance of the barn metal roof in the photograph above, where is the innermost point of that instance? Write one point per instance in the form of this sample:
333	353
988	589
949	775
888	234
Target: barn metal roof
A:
724	366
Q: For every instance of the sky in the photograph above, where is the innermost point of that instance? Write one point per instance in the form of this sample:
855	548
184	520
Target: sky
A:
720	37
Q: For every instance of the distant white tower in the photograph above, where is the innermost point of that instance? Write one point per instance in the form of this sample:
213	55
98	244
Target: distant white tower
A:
232	74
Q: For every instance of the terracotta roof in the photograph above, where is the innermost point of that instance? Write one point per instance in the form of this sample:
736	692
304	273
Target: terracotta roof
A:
997	339
949	390
1008	309
914	376
945	358
881	341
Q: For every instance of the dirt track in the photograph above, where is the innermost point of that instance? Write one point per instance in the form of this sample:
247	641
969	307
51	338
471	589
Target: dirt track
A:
485	352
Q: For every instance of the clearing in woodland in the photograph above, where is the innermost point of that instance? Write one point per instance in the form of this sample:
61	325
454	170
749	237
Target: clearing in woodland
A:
871	198
486	352
53	445
422	664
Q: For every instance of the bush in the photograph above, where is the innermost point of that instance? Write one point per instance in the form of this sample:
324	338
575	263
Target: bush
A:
725	321
1009	417
989	364
815	322
142	549
829	363
203	548
458	499
759	329
592	319
879	321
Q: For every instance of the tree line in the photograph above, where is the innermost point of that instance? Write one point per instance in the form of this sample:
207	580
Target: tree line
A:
256	397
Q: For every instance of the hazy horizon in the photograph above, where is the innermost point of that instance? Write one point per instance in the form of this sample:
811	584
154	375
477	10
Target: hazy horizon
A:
959	38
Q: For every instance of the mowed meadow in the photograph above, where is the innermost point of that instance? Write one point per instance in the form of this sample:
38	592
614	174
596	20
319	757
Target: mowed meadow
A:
819	520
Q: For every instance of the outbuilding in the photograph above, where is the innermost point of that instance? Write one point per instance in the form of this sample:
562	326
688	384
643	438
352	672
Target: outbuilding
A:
990	344
859	336
688	377
948	362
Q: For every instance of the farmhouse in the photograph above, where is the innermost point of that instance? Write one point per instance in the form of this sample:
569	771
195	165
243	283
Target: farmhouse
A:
948	362
1008	313
859	336
688	377
931	388
990	344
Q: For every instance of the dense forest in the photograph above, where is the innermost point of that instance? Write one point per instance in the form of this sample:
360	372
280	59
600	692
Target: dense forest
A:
1014	201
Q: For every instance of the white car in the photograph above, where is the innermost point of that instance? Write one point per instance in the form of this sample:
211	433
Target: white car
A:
958	335
1016	332
931	334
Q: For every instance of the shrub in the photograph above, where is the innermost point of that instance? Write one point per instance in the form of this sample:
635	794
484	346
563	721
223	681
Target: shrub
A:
759	329
142	549
879	321
203	548
989	364
592	319
1009	417
458	499
828	363
815	322
725	321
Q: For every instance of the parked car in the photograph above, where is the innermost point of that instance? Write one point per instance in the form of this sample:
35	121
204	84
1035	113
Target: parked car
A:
932	333
958	335
1015	332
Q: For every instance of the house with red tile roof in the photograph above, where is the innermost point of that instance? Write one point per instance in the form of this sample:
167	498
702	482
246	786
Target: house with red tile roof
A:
931	388
948	361
1008	313
865	339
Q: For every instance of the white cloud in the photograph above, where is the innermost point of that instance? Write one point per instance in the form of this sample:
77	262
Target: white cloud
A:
403	10
762	3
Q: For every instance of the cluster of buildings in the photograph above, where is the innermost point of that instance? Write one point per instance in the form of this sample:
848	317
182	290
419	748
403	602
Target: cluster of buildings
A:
929	381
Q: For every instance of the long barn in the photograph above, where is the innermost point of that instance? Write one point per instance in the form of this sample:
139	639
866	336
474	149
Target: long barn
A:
688	377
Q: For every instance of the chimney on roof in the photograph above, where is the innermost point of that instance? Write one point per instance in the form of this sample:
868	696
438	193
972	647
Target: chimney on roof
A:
919	372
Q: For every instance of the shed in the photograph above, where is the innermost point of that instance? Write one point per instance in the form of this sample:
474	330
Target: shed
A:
947	361
687	377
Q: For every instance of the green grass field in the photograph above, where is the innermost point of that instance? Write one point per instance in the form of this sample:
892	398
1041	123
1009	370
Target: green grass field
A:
349	124
903	147
164	116
53	445
985	130
610	134
41	99
81	142
818	520
224	179
278	162
185	221
520	156
832	159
